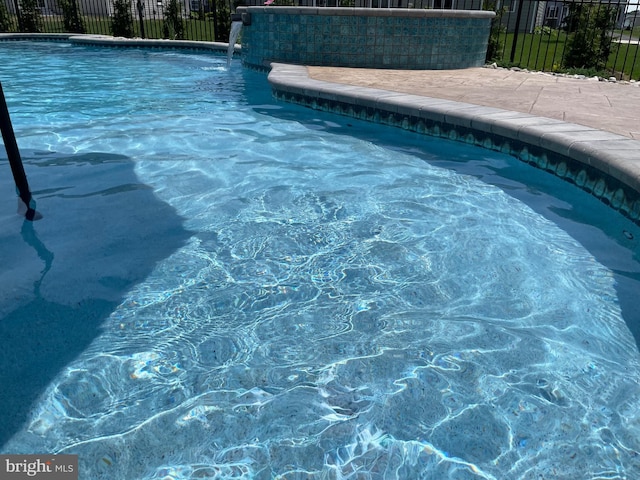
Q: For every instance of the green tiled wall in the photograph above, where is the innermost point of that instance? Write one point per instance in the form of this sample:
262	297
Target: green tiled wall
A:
371	38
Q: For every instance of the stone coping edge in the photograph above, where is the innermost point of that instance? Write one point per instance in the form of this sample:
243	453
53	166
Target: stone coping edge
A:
605	164
108	40
370	12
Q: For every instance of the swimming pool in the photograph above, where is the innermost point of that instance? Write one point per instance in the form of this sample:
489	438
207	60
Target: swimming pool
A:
223	286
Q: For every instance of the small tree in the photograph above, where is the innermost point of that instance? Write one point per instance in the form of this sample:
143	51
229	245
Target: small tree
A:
589	44
173	26
200	14
73	22
122	20
223	24
5	19
495	43
30	16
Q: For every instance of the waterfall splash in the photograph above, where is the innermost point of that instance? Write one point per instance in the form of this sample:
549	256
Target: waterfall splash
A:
236	27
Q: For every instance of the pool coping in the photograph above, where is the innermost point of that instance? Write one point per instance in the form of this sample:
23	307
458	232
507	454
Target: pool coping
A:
368	12
108	40
605	164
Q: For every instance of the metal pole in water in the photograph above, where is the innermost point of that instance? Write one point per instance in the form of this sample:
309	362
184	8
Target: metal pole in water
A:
15	161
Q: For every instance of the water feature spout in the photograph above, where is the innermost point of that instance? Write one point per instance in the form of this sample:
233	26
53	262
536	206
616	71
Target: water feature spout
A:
236	27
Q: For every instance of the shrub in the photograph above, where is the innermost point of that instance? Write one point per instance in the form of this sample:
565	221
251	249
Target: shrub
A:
5	19
200	14
222	16
73	22
30	16
222	20
545	30
589	44
495	44
173	26
122	20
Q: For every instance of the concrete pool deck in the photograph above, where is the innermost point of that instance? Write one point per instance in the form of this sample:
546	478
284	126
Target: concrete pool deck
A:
608	106
590	127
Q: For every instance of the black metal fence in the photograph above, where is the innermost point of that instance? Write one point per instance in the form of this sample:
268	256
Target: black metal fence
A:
593	37
206	20
583	36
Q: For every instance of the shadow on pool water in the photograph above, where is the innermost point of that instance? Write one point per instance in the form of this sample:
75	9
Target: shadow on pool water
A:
63	275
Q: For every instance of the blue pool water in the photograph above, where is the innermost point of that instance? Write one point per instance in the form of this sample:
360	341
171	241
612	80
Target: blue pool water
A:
227	287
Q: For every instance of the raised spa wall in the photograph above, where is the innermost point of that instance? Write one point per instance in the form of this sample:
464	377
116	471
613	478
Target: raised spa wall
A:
365	37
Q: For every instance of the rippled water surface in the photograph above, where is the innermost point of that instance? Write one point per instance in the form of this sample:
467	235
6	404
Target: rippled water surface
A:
227	287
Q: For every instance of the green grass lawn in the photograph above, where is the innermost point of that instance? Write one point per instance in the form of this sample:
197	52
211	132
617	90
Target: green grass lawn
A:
627	60
194	29
536	51
634	33
545	52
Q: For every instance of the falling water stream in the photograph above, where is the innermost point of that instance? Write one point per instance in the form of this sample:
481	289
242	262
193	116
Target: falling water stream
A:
236	28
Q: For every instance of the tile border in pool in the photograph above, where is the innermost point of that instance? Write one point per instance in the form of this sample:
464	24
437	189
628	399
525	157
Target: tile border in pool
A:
109	41
604	164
